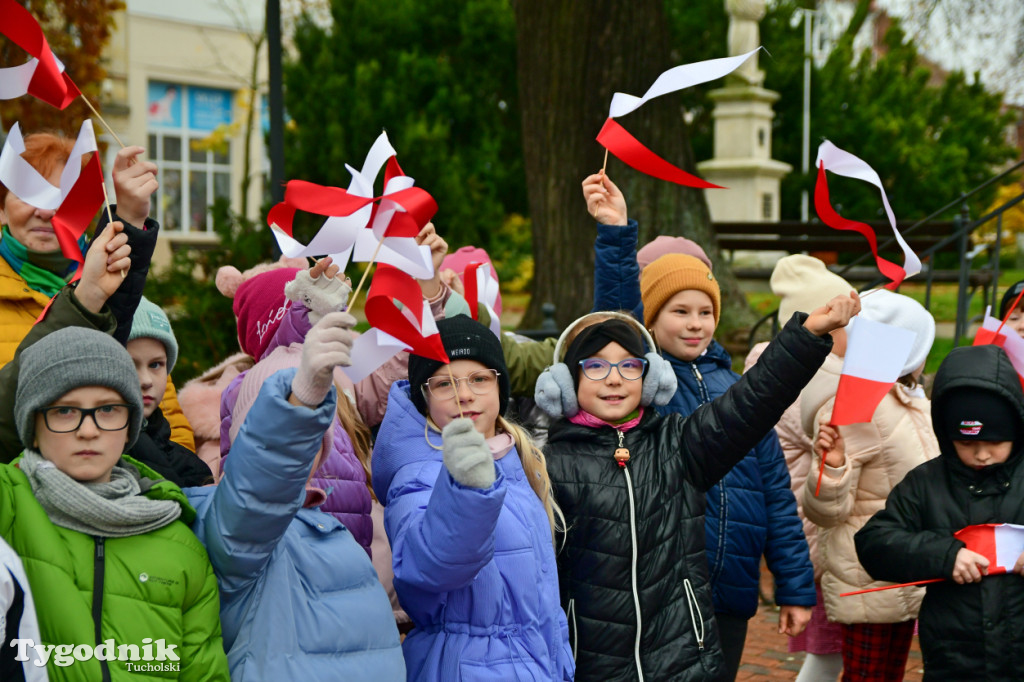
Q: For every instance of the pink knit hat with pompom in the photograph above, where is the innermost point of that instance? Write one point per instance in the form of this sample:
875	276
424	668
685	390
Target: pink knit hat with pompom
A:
259	301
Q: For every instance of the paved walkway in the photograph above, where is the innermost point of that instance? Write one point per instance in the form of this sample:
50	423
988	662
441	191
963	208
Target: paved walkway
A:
765	656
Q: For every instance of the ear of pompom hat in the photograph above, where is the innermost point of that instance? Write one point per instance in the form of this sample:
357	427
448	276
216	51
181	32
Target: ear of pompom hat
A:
229	278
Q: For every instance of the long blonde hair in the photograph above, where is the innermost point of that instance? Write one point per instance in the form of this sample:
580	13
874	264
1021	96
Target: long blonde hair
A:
534	465
358	432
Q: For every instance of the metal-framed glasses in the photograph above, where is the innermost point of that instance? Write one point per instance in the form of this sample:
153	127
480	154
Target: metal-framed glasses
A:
481	382
65	419
629	369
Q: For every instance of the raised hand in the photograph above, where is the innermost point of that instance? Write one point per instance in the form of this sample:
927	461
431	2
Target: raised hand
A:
834	314
105	261
328	345
428	236
134	183
605	202
466	455
320	289
830	442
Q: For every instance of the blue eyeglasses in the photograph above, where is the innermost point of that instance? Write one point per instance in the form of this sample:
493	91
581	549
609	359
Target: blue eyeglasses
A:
629	369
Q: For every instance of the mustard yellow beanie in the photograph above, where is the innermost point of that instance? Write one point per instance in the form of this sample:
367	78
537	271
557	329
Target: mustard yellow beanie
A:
672	273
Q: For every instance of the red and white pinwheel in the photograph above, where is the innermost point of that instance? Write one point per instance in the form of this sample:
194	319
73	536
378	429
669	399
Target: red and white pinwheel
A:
394	218
77	199
630	150
834	160
482	290
400	320
43	76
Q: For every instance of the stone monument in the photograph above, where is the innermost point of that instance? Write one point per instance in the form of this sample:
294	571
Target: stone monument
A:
743	131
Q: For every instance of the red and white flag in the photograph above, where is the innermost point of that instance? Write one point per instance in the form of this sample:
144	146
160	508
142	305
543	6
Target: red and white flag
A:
76	200
43	76
834	160
875	356
1000	543
400	320
991	333
394	218
482	290
630	150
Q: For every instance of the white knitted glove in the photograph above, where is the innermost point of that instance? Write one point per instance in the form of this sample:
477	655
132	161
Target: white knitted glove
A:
321	295
327	345
466	455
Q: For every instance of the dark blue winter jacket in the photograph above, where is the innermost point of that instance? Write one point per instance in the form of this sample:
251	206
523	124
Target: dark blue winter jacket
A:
753	503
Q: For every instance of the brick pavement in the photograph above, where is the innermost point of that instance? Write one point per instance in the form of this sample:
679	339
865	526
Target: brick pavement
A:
765	655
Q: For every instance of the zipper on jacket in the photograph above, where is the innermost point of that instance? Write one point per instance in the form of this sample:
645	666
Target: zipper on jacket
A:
702	388
636	594
715	569
98	572
691	601
571	614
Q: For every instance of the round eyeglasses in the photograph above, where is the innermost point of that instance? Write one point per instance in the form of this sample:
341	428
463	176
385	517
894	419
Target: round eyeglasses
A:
481	382
65	419
629	369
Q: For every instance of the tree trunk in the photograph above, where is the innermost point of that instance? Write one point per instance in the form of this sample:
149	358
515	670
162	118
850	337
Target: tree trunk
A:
572	57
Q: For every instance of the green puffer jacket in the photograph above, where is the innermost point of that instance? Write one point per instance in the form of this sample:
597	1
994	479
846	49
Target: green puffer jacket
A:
158	585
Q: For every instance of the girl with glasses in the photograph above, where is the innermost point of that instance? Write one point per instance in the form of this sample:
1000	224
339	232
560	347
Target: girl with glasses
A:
631	483
471	519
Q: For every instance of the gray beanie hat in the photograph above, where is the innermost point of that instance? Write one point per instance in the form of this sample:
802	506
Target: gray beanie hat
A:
68	359
150	322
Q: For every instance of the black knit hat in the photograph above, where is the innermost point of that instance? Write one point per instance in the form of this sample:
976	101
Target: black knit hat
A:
1008	298
971	413
597	336
463	339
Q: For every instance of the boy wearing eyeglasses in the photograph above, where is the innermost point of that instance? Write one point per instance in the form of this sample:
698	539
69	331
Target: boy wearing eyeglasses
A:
752	512
471	520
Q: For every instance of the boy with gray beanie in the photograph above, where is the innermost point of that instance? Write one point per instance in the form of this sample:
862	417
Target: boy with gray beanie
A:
154	350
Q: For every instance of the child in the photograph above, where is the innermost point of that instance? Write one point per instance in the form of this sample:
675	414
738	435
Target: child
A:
633	573
1016	321
971	624
877	627
470	517
100	534
154	351
752	512
301	600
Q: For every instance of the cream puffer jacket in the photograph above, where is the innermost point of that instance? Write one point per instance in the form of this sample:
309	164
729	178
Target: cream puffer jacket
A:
878	455
796	446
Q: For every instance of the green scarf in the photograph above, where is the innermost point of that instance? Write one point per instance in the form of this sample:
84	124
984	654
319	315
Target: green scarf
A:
44	271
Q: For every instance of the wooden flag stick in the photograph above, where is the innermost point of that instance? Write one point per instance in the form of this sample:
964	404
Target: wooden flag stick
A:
605	164
102	120
110	216
373	259
455	387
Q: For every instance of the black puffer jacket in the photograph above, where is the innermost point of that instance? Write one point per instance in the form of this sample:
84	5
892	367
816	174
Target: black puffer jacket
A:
633	571
176	463
974	631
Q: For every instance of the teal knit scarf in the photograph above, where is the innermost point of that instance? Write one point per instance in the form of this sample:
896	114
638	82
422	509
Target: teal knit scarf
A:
43	271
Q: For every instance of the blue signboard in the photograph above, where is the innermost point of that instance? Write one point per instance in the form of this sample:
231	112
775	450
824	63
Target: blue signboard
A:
208	108
164	105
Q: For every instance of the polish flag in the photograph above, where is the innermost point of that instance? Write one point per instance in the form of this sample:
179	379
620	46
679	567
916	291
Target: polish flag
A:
834	160
43	76
991	333
630	150
1000	543
482	289
875	356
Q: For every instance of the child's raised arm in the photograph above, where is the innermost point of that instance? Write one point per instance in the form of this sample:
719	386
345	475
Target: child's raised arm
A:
605	201
833	315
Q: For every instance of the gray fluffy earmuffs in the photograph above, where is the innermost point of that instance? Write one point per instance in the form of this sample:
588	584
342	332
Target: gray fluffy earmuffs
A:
555	392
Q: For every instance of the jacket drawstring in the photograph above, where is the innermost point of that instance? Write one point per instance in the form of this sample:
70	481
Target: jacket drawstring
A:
691	601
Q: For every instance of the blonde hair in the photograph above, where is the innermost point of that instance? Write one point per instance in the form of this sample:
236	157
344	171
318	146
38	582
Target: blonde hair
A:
534	465
358	432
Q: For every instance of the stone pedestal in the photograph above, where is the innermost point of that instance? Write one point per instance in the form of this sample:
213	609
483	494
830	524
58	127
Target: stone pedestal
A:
743	156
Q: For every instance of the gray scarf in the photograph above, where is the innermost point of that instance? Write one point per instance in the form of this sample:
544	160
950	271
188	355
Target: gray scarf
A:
113	510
